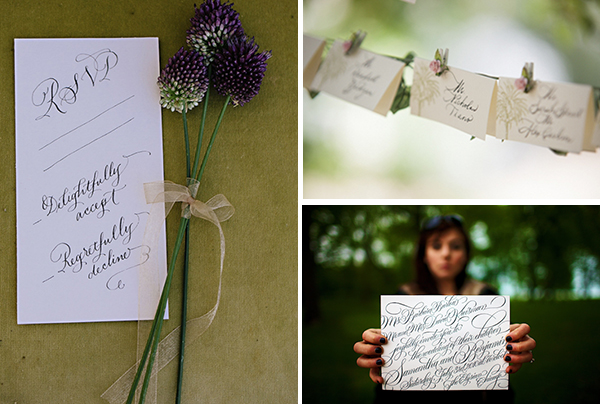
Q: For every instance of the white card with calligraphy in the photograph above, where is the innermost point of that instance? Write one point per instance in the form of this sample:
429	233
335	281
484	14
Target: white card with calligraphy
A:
456	98
444	342
88	135
555	115
363	78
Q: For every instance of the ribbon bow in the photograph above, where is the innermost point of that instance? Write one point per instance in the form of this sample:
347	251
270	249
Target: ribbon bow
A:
215	210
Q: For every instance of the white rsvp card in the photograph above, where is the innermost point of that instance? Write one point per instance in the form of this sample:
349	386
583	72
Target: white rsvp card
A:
444	342
363	78
456	98
312	50
555	115
88	135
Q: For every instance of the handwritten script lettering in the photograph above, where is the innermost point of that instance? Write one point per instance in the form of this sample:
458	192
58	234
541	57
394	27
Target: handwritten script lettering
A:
100	188
88	136
50	95
458	103
362	80
101	254
444	342
547	115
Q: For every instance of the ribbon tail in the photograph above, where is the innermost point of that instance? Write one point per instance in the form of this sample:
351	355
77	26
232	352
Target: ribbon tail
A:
168	348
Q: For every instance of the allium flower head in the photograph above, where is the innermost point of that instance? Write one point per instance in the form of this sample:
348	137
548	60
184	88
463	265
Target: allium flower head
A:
239	69
213	24
183	82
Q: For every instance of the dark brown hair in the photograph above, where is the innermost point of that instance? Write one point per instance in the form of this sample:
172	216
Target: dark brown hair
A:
436	226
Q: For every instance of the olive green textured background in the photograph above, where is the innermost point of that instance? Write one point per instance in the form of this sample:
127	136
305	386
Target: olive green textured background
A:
249	354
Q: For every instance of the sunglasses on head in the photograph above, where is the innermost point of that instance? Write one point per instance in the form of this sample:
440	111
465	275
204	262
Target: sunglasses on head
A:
435	221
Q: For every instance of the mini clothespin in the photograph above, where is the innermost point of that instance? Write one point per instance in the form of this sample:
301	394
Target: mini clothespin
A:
351	45
440	62
526	82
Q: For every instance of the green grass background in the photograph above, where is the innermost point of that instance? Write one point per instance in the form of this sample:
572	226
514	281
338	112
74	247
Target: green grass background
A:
567	367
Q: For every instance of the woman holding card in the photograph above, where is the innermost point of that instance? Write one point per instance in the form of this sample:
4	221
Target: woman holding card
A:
443	251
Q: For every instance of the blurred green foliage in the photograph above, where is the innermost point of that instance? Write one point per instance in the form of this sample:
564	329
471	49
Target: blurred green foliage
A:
562	20
531	252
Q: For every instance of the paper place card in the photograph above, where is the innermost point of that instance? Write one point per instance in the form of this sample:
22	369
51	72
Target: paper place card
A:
456	98
88	135
444	342
312	52
363	78
555	115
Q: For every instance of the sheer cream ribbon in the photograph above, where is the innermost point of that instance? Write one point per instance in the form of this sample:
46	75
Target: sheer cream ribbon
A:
215	210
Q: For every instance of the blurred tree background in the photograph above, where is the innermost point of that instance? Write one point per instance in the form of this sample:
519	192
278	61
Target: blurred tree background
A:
350	152
545	257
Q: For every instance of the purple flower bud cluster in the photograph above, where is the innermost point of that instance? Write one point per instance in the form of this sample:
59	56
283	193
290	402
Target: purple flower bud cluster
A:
239	70
183	82
216	39
213	24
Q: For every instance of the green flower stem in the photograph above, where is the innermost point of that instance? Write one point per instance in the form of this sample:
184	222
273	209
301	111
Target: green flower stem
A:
162	305
212	139
201	133
187	140
186	262
158	319
185	271
153	338
183	314
138	374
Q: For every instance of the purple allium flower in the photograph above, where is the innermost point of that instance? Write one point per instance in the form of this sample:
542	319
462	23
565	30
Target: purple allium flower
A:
213	24
239	69
183	82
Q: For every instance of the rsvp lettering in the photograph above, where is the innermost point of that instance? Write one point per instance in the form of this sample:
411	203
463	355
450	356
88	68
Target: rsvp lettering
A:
52	96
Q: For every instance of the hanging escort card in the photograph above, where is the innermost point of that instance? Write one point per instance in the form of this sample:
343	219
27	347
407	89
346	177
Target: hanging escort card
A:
555	115
311	58
453	97
363	78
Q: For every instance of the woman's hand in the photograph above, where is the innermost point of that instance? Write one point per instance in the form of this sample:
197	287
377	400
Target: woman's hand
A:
519	346
370	350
